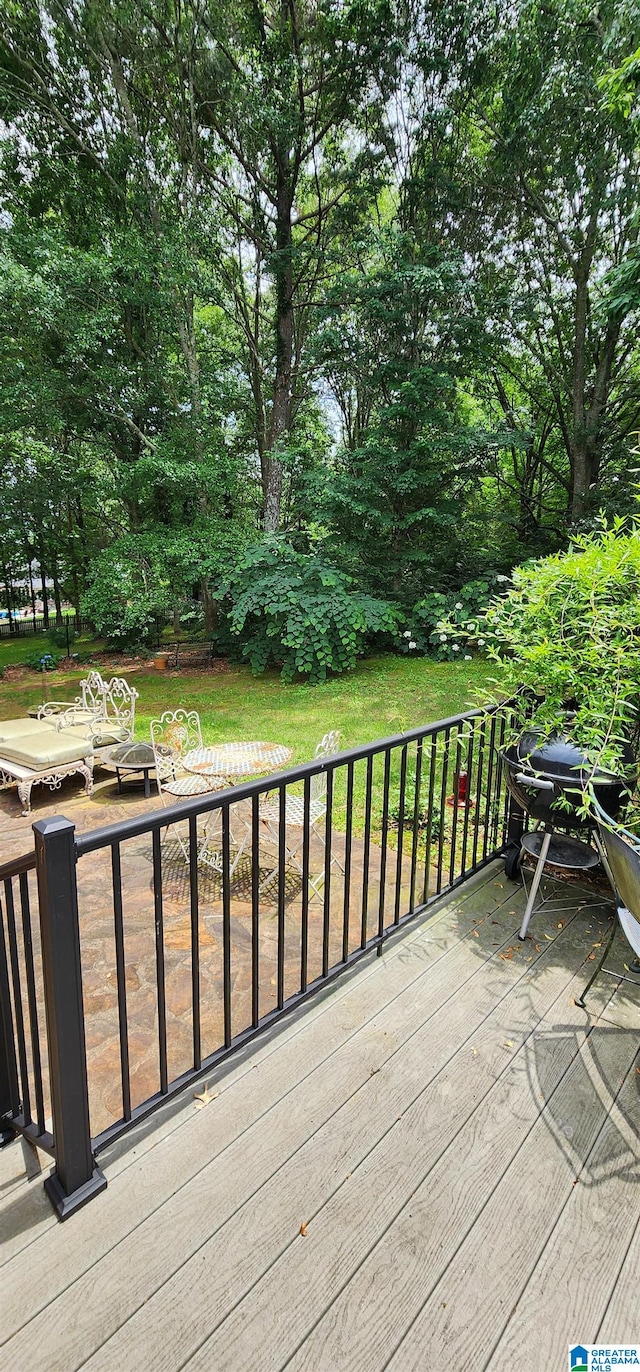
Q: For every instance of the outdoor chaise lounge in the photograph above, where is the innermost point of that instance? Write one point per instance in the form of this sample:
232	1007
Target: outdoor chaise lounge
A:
67	739
46	755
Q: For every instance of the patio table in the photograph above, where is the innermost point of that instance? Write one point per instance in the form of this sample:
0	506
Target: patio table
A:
231	760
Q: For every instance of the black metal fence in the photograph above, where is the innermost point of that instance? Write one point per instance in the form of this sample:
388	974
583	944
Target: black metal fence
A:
216	916
35	624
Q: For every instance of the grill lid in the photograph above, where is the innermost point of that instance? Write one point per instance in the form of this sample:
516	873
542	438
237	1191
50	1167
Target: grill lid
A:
561	760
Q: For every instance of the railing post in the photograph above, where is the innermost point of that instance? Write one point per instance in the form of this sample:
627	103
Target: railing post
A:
76	1178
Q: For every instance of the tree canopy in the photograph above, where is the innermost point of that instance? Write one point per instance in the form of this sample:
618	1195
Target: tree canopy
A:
358	276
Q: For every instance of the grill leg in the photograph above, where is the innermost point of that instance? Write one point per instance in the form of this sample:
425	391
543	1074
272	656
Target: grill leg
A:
537	877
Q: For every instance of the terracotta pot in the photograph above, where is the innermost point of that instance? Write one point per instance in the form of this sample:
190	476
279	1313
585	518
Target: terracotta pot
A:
160	662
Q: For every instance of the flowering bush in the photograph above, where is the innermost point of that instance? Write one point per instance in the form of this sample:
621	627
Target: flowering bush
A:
448	626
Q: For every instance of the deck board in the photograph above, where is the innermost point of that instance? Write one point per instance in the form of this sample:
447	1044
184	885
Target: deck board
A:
413	1117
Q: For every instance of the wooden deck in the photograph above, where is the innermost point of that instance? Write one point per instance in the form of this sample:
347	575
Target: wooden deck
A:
431	1166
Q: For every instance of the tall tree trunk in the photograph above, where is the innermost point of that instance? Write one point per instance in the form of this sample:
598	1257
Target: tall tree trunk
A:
281	408
580	455
57	594
43	584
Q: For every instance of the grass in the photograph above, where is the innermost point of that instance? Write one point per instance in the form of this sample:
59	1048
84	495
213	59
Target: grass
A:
17	648
385	695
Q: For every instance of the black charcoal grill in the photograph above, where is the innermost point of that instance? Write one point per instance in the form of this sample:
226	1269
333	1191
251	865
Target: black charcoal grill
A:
548	780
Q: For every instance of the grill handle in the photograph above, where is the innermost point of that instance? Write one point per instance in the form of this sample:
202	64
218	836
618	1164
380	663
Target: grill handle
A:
527	779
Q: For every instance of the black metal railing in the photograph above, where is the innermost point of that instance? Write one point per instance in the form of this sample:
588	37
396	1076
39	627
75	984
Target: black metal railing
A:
23	1082
217	915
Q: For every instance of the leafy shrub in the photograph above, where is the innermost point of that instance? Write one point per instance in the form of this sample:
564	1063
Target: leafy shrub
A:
567	635
296	611
447	626
59	637
124	597
42	661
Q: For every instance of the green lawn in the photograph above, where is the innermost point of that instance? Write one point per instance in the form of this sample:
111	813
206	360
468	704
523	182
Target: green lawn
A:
385	695
16	648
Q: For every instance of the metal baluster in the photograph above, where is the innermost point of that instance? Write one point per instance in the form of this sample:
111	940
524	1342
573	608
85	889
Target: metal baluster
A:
400	848
347	864
17	1000
487	815
160	970
304	941
433	744
443	802
454	811
226	922
416	825
10	1086
255	911
32	999
282	873
195	941
467	799
326	914
498	787
384	841
121	979
478	804
366	855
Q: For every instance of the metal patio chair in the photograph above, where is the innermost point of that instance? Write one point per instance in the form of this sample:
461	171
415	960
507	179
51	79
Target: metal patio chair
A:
294	817
175	734
620	853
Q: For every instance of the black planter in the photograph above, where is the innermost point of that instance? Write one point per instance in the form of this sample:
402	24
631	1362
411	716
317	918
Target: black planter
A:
540	775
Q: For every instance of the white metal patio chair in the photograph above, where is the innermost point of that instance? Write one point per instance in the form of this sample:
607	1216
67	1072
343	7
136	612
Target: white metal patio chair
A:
173	736
105	711
89	705
294	817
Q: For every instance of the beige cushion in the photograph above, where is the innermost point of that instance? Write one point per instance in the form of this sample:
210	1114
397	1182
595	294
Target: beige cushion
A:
79	716
102	733
50	750
19	728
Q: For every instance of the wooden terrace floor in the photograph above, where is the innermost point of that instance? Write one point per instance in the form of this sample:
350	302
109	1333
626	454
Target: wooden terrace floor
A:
432	1165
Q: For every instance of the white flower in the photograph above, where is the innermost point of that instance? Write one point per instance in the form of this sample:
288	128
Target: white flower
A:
458	604
407	633
443	638
481	642
412	644
467	657
455	647
502	578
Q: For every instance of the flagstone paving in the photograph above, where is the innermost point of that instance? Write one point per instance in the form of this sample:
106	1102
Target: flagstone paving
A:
98	945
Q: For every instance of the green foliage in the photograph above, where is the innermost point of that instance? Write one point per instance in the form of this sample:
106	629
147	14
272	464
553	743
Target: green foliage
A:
296	611
449	626
61	637
124	597
394	341
40	661
567	637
